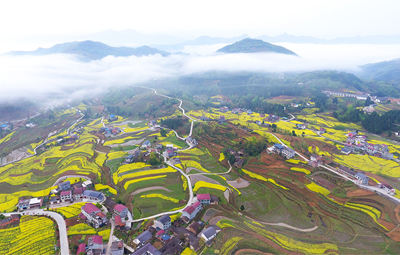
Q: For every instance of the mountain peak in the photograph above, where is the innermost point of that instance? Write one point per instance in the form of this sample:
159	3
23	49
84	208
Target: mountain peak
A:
249	45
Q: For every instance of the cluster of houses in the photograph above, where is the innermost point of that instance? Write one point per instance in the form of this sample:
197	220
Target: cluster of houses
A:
357	96
284	150
154	125
343	94
173	235
110	131
76	192
95	217
63	193
95	246
358	143
239	161
363	179
120	214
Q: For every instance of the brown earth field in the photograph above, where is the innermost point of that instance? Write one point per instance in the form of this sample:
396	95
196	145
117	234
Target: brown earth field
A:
360	193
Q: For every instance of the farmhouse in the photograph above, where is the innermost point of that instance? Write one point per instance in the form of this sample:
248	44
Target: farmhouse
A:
192	210
362	178
93	215
204	199
78	193
209	234
143	238
65	185
146	145
148	249
347	171
54	200
121	210
9	220
93	195
389	189
66	195
112	117
95	245
164	222
117	248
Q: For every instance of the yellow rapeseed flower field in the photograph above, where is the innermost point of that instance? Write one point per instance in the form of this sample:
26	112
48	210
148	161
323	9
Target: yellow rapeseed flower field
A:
318	189
203	184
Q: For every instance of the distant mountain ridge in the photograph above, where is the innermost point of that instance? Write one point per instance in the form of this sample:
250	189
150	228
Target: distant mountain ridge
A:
388	71
254	45
90	50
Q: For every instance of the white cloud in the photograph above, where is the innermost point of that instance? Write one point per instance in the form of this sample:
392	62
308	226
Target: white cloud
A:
32	76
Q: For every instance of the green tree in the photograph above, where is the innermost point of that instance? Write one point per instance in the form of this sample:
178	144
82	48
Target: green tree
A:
153	160
242	208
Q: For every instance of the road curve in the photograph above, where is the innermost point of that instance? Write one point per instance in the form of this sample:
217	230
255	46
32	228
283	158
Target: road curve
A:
176	211
62	228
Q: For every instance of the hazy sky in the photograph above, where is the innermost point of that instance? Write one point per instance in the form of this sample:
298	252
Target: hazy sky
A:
320	18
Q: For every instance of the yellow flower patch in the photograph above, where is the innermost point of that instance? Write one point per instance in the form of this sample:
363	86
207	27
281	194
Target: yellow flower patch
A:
203	184
262	178
318	189
298	169
101	187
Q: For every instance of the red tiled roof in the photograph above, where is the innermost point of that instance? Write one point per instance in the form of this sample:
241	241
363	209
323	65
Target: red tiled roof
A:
160	232
82	216
189	209
97	239
89	208
78	191
203	197
119	207
67	192
100	214
195	205
117	219
81	248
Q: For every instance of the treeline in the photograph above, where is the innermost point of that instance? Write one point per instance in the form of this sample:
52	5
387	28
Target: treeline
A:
173	123
254	145
373	122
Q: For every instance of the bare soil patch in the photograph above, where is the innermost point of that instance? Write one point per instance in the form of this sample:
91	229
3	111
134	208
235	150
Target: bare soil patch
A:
216	219
239	183
359	193
149	188
251	251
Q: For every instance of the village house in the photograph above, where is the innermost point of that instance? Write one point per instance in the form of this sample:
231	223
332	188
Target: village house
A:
129	159
9	220
93	195
81	249
148	249
362	178
118	222
95	245
192	210
284	150
209	234
23	204
93	215
112	118
143	238
389	189
204	199
347	171
192	142
117	248
146	145
35	202
121	210
87	184
78	193
65	185
301	126
194	227
224	109
164	222
66	195
54	200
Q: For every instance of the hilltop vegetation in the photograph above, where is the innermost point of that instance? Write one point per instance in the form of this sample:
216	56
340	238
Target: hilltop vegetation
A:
90	50
253	45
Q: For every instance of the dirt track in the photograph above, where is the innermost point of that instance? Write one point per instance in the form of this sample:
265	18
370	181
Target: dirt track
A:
149	188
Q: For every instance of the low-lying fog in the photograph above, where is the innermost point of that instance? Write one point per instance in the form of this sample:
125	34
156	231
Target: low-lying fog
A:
34	75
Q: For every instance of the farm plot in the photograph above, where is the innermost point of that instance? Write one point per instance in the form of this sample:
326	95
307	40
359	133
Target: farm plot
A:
34	235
